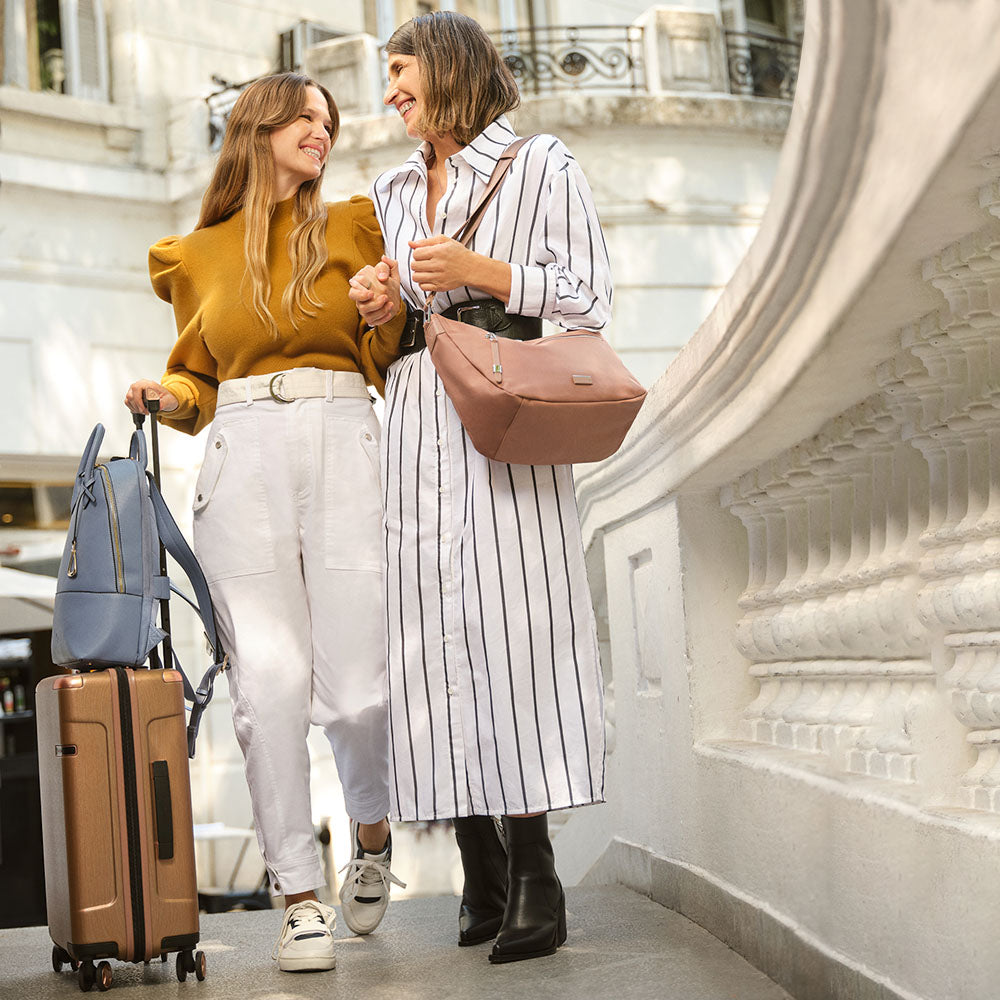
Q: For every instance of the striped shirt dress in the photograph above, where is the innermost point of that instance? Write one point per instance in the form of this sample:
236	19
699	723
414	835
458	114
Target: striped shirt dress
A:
495	690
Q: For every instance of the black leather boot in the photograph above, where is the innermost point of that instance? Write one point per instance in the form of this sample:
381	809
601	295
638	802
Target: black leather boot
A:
534	922
484	894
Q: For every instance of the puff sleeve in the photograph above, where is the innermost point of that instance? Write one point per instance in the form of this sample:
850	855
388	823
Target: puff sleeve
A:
380	345
191	373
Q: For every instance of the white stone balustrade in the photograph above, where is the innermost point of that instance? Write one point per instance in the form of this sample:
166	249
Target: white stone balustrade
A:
960	440
828	736
830	626
875	550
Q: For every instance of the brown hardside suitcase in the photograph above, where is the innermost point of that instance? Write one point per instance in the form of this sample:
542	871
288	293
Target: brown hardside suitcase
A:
116	819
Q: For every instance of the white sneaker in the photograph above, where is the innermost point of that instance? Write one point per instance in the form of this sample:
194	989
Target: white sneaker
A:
364	894
305	943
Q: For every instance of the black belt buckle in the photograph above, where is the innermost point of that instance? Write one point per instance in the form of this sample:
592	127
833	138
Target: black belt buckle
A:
485	314
472	307
414	325
412	338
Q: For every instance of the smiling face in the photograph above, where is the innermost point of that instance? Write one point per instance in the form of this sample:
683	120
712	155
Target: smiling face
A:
300	149
404	92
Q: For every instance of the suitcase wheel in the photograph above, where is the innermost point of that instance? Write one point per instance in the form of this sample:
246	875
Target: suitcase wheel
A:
190	961
86	975
60	957
104	977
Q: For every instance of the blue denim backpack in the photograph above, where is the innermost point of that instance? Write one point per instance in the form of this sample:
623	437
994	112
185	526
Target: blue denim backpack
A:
110	585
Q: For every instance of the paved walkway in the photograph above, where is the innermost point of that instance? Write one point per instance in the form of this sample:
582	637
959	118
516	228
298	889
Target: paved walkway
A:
621	946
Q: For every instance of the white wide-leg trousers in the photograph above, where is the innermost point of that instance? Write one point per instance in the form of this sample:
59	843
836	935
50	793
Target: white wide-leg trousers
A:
288	529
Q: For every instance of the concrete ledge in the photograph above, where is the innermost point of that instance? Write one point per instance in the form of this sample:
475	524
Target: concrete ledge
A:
765	938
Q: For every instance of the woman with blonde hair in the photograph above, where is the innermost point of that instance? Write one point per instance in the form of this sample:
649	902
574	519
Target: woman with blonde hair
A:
287	511
495	691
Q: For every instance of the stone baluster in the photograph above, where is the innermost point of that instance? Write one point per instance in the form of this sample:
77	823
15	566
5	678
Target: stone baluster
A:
960	600
833	642
766	533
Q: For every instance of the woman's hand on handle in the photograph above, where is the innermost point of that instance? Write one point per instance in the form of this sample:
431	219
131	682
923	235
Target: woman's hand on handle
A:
153	390
375	291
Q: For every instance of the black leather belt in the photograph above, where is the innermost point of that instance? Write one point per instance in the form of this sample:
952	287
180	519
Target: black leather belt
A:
486	314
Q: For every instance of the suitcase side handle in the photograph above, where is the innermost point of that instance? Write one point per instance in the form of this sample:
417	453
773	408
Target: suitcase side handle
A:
163	810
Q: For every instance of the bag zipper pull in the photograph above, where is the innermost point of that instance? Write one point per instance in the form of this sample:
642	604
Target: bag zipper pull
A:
497	367
71	569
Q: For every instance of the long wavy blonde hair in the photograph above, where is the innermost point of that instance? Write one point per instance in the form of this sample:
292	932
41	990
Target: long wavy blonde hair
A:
244	179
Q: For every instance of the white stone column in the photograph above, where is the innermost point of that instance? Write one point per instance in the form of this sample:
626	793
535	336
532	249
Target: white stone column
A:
508	15
385	19
351	68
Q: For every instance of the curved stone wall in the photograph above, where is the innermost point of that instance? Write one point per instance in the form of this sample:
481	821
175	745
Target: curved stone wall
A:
799	543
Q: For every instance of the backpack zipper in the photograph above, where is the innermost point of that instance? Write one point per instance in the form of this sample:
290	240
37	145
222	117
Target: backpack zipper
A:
71	568
116	541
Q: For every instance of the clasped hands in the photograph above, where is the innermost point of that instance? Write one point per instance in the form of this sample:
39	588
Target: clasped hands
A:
438	264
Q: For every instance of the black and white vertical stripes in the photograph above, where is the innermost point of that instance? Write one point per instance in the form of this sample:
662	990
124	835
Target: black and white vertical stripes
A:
495	691
543	221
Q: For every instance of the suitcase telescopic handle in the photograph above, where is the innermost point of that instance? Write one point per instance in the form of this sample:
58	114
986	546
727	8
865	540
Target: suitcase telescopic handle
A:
153	405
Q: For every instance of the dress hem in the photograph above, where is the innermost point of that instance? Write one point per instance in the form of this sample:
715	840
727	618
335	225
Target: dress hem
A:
397	817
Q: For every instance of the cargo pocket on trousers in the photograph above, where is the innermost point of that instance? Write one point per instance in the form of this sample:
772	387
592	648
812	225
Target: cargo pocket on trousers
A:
232	530
353	495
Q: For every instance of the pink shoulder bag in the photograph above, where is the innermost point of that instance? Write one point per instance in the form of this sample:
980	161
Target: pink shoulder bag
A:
557	400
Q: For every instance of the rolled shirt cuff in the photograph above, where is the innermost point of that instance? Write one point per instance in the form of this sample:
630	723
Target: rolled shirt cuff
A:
528	290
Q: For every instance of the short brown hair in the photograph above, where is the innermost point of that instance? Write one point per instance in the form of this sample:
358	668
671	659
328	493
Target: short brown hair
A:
466	85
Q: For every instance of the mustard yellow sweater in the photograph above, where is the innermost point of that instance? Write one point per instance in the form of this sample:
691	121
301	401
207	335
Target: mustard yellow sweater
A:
202	276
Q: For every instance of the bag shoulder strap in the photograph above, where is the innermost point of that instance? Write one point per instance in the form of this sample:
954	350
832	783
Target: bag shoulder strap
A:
499	175
500	171
87	461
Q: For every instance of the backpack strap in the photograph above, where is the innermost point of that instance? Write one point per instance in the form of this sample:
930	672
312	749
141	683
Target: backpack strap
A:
178	547
88	460
137	449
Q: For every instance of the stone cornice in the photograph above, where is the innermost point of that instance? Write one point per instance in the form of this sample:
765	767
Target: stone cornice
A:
566	113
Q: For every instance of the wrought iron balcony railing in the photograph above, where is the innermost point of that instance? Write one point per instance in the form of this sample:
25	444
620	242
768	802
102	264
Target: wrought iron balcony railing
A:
761	65
542	60
570	58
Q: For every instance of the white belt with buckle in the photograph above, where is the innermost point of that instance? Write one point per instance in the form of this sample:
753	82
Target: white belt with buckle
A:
297	383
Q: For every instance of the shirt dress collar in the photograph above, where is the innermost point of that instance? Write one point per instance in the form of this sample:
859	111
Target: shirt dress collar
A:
481	154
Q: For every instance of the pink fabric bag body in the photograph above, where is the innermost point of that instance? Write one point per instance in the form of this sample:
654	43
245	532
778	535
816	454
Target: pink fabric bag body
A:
557	400
561	399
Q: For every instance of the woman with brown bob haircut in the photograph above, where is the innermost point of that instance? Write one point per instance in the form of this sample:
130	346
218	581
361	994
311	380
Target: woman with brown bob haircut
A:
287	512
495	691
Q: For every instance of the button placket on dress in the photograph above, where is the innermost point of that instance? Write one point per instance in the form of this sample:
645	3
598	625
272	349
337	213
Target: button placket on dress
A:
451	593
